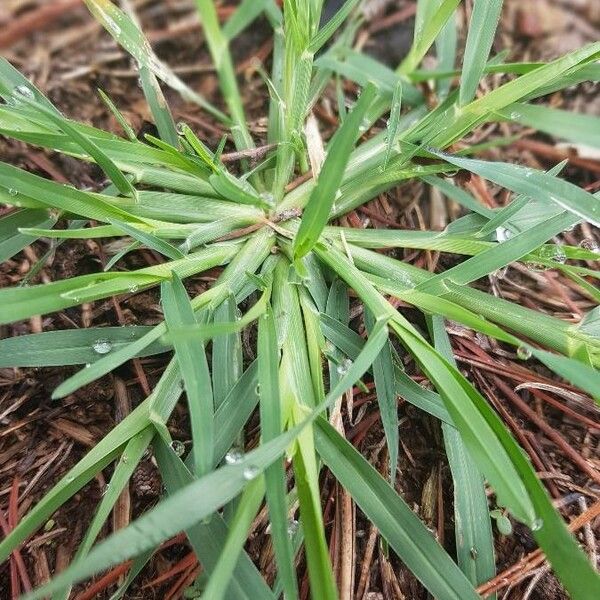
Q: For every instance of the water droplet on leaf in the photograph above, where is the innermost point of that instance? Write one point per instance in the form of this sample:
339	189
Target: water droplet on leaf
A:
523	353
343	367
503	234
25	92
537	525
292	527
234	456
178	447
102	346
250	472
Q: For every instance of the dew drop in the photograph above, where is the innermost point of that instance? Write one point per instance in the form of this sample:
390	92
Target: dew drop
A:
257	389
234	456
102	346
133	288
292	527
515	115
503	234
537	525
180	127
106	489
523	353
12	191
343	367
473	552
589	244
250	472
25	92
178	447
88	365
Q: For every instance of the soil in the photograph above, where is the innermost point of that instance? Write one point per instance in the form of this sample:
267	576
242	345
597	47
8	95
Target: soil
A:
68	56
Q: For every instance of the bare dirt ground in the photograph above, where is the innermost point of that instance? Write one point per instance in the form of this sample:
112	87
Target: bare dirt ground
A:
68	55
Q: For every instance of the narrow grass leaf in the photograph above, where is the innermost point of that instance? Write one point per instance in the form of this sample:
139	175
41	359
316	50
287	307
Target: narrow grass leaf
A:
163	118
577	373
239	527
90	147
472	523
40	299
73	346
63	197
227	360
171	516
150	240
118	115
482	29
394	122
128	462
271	427
500	255
577	128
194	369
535	184
332	25
323	196
426	32
385	385
12	237
401	528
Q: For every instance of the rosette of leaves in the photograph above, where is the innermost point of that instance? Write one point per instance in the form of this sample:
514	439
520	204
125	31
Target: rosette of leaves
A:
287	270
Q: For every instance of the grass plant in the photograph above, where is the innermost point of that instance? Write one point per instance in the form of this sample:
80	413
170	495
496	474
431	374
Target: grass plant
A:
287	272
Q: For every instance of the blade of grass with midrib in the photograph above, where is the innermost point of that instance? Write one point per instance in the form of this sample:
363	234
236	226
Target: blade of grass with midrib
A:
323	196
472	524
535	184
271	427
191	357
385	386
482	29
